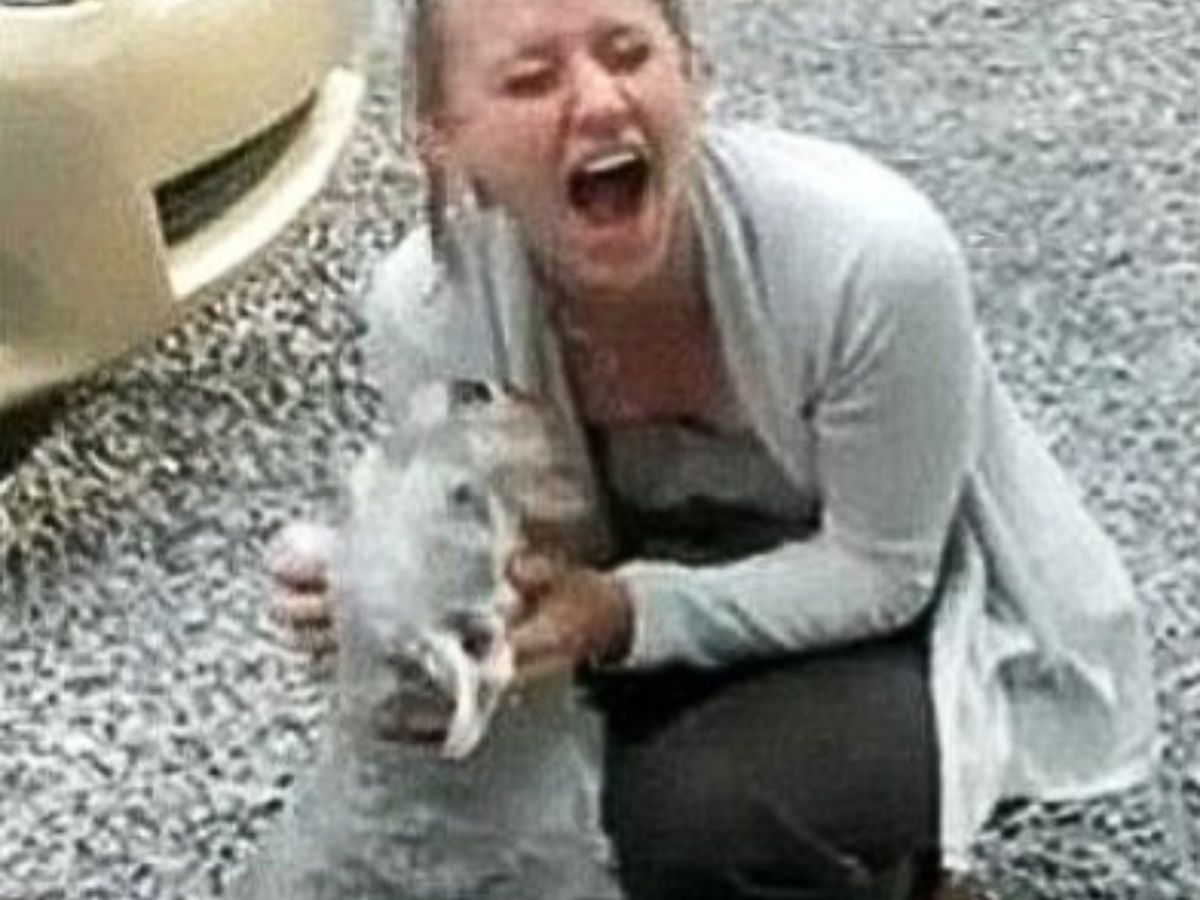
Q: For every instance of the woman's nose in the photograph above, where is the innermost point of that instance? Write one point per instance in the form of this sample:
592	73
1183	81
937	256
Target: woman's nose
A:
599	99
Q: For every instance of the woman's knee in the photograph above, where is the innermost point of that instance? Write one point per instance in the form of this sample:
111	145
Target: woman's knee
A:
696	832
673	826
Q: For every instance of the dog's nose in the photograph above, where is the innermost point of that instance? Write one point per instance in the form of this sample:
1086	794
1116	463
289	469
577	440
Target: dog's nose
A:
465	392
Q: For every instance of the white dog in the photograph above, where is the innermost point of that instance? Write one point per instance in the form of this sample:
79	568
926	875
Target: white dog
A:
395	809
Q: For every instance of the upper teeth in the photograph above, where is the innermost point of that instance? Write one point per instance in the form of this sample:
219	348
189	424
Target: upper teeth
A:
610	162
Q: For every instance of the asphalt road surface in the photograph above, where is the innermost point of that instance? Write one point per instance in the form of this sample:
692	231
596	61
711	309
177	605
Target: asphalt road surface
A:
151	725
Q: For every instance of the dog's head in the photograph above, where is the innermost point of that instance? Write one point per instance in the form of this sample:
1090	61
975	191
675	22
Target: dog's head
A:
435	514
424	653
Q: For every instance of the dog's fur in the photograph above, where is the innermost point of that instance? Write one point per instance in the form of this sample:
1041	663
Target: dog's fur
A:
433	513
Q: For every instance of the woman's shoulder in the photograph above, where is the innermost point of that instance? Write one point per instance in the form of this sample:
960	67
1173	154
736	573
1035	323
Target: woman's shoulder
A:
807	183
846	249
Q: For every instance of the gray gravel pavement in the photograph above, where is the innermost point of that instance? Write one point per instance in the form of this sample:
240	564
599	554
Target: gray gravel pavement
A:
151	724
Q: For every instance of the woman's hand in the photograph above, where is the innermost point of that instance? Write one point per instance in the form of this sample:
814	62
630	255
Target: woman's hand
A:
569	616
299	593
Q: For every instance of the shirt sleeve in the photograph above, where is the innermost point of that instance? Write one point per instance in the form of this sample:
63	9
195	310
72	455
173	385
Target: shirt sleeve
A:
895	425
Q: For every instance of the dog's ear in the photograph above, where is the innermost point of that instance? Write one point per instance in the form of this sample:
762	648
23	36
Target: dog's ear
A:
365	477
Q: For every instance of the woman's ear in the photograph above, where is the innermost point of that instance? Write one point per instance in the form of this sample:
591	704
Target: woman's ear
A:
433	143
699	68
435	149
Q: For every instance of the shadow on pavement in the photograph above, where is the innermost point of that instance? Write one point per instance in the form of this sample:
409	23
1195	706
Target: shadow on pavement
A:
22	426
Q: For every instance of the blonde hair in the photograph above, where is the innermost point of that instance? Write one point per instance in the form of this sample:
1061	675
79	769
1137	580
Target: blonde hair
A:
423	53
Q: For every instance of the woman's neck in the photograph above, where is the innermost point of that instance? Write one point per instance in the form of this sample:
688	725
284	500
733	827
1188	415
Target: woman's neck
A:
674	292
653	356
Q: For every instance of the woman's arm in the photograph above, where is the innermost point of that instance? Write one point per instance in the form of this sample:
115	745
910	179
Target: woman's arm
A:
896	426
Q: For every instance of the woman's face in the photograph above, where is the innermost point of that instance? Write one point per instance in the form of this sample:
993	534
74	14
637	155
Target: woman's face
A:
579	117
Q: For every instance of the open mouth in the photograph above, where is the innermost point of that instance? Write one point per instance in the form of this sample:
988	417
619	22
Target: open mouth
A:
610	188
447	687
420	711
417	717
427	726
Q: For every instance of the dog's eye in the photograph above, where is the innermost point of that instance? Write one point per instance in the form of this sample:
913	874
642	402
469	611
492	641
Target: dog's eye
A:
476	635
477	642
467	499
470	393
462	494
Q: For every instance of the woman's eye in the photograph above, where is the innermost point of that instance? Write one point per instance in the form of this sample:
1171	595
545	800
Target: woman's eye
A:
531	82
628	52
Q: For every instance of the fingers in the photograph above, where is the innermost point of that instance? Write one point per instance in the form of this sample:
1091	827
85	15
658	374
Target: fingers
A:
532	574
299	555
542	649
543	670
299	600
532	577
536	639
300	608
314	640
305	619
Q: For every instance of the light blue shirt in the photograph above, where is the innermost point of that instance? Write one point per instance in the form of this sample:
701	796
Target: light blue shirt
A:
848	332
